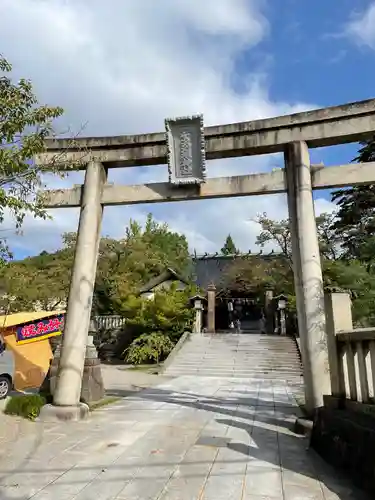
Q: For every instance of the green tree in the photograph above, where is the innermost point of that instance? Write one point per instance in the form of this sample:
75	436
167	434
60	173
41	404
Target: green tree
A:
353	276
168	313
256	274
278	232
123	267
144	252
348	274
329	241
229	247
24	126
275	232
355	219
40	282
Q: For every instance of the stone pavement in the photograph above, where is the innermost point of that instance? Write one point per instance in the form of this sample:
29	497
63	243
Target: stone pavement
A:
188	438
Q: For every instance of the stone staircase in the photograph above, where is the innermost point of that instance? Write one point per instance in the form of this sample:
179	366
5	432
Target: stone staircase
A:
240	355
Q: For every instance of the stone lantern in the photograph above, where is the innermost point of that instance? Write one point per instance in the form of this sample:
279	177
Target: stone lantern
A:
281	305
197	301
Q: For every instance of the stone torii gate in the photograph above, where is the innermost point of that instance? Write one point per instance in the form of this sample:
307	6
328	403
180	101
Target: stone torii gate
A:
185	146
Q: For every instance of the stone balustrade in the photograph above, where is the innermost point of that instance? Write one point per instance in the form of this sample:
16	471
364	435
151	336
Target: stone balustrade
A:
344	427
351	353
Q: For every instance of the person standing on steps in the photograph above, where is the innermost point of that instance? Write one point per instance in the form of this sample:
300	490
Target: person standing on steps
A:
237	321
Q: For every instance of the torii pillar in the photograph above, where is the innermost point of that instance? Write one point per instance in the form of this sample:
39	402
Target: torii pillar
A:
66	401
307	275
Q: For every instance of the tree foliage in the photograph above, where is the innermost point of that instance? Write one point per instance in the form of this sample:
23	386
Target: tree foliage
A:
351	274
127	264
278	232
124	266
168	313
275	232
149	348
24	126
229	247
40	282
256	274
355	219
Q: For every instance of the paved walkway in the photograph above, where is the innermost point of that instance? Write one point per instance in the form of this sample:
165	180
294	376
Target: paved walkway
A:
189	438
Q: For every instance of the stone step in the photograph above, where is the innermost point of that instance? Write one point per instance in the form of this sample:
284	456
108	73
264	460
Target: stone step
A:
220	367
243	352
224	372
239	361
226	350
246	373
260	370
268	376
273	375
241	344
223	369
223	362
238	356
234	354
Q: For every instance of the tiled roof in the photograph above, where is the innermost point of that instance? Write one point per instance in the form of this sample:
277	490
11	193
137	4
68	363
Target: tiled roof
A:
168	274
211	269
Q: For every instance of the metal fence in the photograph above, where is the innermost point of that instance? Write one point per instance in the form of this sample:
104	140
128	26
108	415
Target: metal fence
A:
109	322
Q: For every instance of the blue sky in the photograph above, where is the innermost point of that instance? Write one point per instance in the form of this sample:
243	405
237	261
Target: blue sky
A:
122	67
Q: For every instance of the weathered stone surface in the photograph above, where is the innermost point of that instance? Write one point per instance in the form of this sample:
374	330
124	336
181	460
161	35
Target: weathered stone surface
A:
321	127
346	439
186	439
51	413
92	381
221	187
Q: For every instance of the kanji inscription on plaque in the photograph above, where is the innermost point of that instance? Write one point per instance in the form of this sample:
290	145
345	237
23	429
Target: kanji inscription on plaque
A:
186	150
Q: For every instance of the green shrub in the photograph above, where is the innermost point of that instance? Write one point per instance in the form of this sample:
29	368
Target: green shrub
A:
169	313
27	406
149	348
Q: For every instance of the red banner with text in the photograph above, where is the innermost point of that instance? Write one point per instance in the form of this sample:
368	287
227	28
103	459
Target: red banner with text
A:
40	329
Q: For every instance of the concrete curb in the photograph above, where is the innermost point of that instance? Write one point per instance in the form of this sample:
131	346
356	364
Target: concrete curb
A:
184	338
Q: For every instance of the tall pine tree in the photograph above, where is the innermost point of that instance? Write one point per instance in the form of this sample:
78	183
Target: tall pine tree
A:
229	247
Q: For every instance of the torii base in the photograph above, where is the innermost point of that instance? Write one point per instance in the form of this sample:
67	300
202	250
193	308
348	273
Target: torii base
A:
52	413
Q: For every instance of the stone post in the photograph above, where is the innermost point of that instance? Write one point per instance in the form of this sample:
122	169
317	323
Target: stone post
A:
198	307
338	310
66	401
211	298
92	381
307	275
268	310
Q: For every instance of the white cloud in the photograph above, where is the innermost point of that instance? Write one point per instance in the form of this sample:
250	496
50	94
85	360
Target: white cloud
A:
361	28
121	67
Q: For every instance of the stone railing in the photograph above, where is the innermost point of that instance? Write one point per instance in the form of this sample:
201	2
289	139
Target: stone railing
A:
351	353
109	322
343	431
356	358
